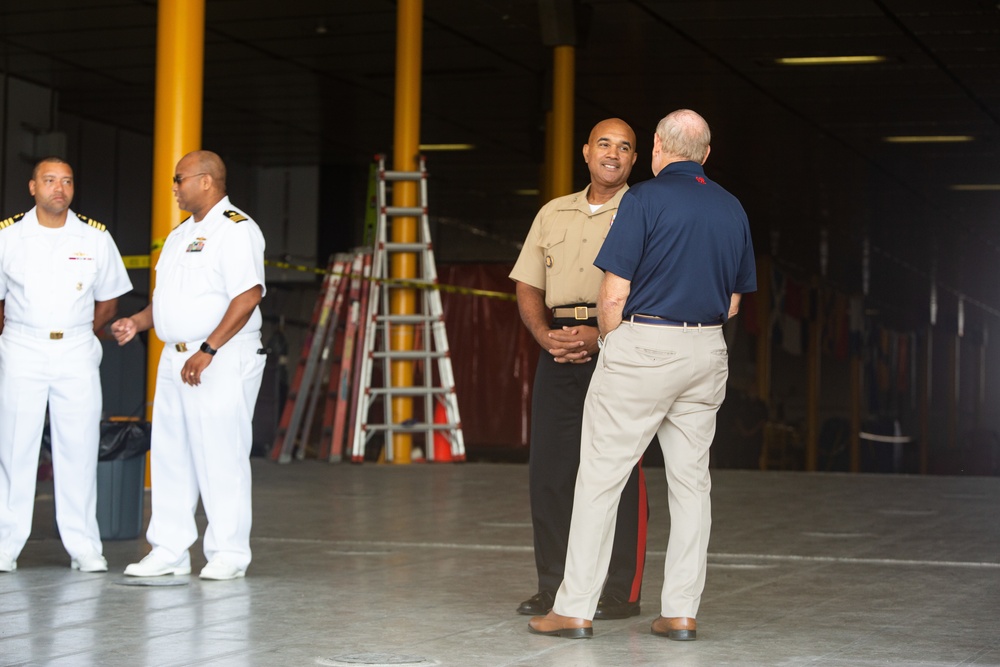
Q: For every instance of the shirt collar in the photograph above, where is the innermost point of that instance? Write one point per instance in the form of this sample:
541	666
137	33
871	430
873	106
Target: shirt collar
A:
32	227
683	167
213	212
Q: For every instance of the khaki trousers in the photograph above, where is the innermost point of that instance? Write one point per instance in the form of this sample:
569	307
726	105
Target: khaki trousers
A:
650	380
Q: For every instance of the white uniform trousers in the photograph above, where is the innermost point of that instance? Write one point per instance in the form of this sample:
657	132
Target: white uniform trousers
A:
64	374
668	381
201	440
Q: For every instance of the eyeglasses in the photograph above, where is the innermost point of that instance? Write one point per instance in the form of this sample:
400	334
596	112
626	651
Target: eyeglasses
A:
178	179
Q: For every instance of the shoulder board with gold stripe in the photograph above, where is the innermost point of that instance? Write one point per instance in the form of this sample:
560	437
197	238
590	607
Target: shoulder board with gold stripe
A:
11	220
235	216
93	223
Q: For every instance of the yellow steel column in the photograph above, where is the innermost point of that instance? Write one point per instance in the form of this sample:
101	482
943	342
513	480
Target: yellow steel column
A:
406	146
564	73
545	192
180	55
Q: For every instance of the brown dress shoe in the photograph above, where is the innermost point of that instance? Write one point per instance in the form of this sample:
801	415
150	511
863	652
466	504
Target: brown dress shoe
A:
678	628
554	625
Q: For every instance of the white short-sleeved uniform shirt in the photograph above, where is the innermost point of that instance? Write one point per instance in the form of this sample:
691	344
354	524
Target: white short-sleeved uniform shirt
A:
203	266
50	278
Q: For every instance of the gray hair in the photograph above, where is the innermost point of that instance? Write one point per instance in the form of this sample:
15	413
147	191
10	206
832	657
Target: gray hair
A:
684	133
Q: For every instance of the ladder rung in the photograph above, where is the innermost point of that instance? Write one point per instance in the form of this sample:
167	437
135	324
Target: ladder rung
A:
407	211
402	175
408	319
406	247
411	427
408	391
403	355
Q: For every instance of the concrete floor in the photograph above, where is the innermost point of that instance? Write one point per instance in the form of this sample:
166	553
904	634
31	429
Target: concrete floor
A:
425	564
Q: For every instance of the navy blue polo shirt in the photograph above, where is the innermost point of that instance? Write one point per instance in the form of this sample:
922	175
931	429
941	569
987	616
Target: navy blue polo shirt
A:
684	243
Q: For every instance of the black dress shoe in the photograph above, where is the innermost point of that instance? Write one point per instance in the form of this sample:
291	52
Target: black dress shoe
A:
610	608
538	604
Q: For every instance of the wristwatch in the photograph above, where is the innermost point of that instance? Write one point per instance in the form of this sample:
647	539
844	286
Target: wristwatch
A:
207	349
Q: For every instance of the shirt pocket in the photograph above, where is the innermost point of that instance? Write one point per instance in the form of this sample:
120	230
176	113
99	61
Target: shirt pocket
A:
193	260
82	275
554	250
15	267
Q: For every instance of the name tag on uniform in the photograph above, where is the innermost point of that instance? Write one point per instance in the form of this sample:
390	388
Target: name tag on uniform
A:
197	245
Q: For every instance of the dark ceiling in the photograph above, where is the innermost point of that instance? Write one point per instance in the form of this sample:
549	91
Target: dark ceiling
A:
311	81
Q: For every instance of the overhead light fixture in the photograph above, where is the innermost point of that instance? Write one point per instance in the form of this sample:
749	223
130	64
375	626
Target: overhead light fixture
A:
929	139
447	147
831	60
975	187
528	192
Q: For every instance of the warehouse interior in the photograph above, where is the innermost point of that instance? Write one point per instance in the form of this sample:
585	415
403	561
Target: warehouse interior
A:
872	185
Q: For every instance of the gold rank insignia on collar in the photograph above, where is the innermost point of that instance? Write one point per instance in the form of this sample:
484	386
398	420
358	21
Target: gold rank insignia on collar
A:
93	223
235	216
11	220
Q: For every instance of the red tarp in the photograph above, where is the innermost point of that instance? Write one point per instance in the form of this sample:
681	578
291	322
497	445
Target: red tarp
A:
493	357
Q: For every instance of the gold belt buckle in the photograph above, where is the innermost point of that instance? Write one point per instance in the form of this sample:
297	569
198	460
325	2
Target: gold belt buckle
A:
55	335
580	313
181	347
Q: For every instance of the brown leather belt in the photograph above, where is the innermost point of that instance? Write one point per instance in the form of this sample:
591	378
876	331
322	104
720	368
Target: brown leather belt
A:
574	312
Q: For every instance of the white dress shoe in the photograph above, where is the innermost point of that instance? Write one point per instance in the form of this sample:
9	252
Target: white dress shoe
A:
220	570
151	566
92	562
7	564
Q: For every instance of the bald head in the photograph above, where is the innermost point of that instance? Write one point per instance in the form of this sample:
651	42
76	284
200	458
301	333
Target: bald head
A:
211	164
612	126
199	182
609	154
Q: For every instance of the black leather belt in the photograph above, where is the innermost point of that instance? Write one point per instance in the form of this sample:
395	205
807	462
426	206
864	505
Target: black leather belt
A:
664	322
575	312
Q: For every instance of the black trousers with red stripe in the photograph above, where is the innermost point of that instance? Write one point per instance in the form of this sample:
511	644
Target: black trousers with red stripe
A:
556	416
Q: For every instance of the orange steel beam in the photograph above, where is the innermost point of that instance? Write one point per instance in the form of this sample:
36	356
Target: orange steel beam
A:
563	79
406	146
180	65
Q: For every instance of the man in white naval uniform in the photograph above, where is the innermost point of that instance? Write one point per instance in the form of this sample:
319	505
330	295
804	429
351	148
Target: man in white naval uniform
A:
209	282
60	279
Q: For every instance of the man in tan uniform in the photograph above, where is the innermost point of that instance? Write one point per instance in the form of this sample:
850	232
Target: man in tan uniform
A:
557	285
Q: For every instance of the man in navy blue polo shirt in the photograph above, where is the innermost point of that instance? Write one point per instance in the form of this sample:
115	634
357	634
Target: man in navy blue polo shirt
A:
676	261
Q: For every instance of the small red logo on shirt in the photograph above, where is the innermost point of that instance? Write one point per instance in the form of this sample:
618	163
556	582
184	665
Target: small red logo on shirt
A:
700	179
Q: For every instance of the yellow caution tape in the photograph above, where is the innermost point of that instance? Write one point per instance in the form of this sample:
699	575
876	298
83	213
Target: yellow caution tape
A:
142	262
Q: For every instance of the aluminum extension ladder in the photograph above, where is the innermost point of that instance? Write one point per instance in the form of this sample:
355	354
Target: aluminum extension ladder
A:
297	415
433	392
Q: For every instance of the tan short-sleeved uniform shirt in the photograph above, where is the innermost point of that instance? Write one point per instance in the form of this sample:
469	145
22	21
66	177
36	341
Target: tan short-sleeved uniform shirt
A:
558	254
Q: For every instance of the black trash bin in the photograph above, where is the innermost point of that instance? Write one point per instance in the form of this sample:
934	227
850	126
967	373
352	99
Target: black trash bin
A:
121	477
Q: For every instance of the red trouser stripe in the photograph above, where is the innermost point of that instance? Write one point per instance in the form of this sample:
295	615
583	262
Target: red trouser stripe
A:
640	546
